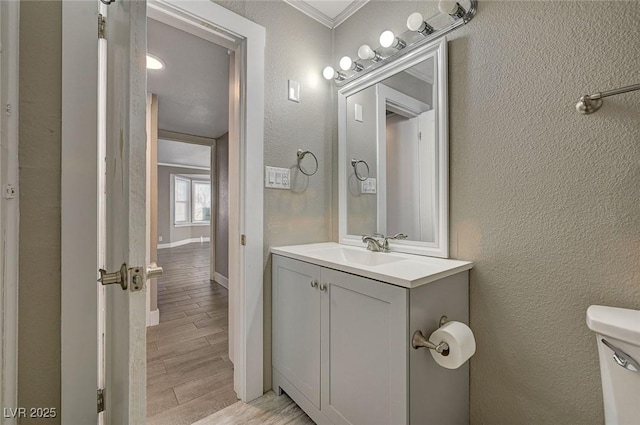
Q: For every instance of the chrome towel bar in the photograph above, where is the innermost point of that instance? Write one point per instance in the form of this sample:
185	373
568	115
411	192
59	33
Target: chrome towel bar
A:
589	103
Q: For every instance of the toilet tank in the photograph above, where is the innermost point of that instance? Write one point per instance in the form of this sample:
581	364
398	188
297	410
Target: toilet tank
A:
618	329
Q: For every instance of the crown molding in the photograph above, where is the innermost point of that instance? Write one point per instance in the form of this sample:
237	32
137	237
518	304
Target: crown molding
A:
185	166
325	20
310	11
350	10
419	75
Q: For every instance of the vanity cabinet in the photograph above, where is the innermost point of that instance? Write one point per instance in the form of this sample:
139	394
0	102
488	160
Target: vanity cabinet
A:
341	347
296	325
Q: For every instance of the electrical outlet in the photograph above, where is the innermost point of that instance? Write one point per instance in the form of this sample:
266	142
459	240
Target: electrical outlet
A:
159	238
368	186
277	178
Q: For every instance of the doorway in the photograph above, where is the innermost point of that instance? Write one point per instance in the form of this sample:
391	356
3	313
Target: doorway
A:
245	42
81	70
190	373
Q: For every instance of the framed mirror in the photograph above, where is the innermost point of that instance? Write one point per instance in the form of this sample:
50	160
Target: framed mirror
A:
393	153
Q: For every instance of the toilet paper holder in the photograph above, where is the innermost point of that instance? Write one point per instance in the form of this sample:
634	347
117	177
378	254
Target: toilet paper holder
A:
420	341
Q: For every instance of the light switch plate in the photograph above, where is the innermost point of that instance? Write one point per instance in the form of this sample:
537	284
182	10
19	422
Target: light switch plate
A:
358	112
277	178
369	186
294	91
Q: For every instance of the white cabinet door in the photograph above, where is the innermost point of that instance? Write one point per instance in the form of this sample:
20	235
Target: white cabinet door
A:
296	324
364	350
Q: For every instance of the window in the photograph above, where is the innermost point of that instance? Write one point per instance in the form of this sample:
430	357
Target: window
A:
201	202
192	201
182	196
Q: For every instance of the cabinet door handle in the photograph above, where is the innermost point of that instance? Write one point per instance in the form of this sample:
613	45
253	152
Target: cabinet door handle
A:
323	287
314	283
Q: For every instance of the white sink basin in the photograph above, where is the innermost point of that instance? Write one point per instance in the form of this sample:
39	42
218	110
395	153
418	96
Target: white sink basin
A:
399	269
357	256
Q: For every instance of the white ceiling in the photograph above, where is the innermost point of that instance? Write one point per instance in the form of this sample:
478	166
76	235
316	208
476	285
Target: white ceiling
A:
187	154
193	88
328	12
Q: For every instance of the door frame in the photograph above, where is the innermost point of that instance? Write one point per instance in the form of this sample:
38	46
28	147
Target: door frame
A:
9	208
400	103
246	41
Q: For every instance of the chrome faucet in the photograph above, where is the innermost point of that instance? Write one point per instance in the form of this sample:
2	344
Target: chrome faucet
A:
374	244
397	236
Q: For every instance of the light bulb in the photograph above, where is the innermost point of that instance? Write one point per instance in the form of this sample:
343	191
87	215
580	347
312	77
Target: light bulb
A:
365	52
329	73
154	62
451	7
448	6
415	21
346	63
387	38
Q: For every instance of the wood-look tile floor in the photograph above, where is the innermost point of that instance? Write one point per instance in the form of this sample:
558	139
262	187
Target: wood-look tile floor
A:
266	410
189	374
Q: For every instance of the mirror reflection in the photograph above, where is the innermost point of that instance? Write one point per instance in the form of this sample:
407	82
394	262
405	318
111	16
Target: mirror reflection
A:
392	152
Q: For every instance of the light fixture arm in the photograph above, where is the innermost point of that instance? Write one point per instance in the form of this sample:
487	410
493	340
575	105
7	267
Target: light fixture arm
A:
460	12
428	29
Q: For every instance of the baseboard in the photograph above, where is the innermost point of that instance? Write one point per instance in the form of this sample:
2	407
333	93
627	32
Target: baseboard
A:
182	242
153	317
223	281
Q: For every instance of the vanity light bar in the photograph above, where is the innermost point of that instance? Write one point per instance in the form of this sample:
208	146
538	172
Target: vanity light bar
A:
388	39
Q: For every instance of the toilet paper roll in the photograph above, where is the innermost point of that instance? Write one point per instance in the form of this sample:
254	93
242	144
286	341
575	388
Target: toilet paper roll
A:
462	344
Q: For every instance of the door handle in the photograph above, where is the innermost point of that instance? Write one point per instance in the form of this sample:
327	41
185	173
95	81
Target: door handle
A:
154	271
120	277
137	276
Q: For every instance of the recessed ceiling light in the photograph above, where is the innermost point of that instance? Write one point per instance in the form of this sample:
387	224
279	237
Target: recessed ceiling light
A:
154	62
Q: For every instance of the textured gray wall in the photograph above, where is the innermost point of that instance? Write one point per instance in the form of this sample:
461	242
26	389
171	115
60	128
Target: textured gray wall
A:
39	254
166	228
543	200
222	216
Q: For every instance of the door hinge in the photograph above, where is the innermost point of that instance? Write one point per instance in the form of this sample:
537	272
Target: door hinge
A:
420	135
9	191
101	25
100	400
243	240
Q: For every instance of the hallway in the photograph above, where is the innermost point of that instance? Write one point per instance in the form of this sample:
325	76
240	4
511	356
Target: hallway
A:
189	374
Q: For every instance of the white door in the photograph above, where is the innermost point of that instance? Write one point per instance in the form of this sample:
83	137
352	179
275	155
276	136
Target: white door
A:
103	211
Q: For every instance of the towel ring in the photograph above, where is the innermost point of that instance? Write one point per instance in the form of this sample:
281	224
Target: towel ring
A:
354	164
301	154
